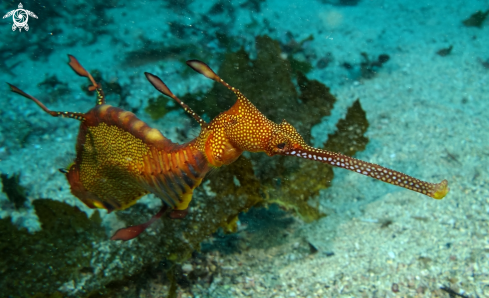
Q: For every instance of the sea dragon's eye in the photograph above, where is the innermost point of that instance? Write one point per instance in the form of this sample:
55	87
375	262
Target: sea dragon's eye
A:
281	146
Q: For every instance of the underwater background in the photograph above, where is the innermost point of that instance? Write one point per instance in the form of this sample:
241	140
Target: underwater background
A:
403	84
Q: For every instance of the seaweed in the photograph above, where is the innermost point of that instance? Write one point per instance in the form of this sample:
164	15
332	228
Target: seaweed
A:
113	89
159	107
324	61
349	137
476	19
53	89
341	2
237	181
40	263
14	191
445	51
294	51
299	65
368	68
484	64
253	5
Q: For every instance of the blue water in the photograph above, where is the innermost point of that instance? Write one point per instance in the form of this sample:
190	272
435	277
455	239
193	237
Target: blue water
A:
427	113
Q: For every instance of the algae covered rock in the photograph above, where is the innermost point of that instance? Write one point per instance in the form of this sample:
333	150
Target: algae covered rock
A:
14	191
44	261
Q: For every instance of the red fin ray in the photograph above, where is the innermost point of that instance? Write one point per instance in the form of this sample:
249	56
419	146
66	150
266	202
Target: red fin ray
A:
134	231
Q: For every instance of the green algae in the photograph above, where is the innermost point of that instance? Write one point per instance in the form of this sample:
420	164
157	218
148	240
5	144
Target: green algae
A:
237	182
53	89
476	19
369	68
14	191
39	263
445	51
299	65
349	137
159	107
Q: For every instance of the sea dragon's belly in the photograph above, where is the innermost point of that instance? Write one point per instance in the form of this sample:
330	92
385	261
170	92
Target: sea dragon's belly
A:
122	159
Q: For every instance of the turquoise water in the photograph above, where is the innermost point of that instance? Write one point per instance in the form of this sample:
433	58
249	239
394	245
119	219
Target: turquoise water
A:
420	71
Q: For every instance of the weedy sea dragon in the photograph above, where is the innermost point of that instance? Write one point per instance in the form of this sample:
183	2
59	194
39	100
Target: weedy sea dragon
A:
119	158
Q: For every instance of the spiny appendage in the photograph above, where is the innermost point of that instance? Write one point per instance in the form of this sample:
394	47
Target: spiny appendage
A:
79	70
134	231
253	127
100	96
206	71
434	190
245	125
74	115
160	86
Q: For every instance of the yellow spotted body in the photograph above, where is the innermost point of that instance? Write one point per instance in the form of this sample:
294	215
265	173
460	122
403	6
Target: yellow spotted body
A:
120	159
111	161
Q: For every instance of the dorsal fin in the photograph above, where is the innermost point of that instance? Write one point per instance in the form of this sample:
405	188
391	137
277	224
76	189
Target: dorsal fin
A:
206	71
79	70
160	86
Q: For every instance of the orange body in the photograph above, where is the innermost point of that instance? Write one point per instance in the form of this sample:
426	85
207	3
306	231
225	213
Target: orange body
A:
120	158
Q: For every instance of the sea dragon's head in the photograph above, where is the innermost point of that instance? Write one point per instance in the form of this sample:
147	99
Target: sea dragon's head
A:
243	128
284	139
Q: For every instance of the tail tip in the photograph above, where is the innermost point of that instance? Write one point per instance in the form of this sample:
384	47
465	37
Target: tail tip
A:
441	190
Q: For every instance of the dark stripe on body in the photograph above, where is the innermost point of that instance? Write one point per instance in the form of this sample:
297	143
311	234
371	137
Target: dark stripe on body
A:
169	175
188	180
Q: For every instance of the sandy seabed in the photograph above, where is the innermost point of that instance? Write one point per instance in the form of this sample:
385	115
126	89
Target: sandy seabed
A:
428	118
